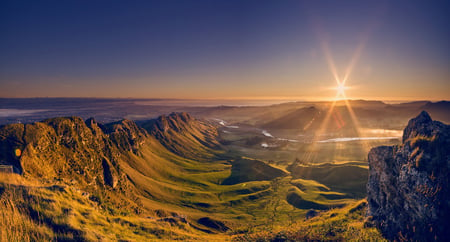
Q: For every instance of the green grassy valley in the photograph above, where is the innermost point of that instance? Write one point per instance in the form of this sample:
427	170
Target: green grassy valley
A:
167	179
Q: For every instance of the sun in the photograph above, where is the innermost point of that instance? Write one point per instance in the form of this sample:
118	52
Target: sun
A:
340	88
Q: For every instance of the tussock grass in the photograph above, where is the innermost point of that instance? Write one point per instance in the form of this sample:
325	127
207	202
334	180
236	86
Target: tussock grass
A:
43	213
344	224
15	225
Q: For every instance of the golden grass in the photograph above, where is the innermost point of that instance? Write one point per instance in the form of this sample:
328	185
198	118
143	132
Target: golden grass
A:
14	224
264	218
160	180
344	224
30	211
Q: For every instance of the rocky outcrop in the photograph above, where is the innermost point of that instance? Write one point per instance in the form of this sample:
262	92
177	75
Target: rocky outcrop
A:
68	148
408	188
126	135
11	145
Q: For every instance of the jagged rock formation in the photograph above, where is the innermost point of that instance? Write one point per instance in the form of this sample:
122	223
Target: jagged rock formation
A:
184	135
126	135
408	188
65	148
89	151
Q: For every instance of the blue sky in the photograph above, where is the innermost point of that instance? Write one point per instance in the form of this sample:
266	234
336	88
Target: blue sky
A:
224	49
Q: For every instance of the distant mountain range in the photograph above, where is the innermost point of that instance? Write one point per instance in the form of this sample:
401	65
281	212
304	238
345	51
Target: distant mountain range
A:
110	110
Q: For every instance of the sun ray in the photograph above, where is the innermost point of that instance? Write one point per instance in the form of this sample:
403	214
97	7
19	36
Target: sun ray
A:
353	61
311	154
330	61
358	127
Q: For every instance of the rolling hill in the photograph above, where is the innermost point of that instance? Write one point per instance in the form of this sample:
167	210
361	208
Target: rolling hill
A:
167	178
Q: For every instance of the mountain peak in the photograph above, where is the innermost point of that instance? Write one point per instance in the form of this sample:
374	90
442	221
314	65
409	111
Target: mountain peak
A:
420	125
180	116
174	121
183	134
423	116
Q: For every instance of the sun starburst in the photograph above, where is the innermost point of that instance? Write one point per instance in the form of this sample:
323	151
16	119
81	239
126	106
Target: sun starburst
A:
340	88
333	112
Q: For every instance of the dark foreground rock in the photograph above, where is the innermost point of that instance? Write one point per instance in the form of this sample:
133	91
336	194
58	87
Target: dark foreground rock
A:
408	187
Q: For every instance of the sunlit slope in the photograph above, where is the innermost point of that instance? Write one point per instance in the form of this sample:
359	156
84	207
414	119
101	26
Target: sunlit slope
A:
131	176
340	224
35	212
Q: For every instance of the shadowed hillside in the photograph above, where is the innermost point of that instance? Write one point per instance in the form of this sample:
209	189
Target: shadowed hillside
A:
299	119
349	178
244	170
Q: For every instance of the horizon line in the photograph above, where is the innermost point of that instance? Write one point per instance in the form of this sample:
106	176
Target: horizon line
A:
262	99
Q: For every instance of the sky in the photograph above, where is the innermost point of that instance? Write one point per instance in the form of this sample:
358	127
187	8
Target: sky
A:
249	49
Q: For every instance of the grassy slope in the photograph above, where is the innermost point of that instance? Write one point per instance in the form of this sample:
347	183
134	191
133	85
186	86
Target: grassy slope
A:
170	186
35	212
174	193
343	224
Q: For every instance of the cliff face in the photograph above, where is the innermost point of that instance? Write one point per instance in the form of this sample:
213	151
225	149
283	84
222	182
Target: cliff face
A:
408	187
